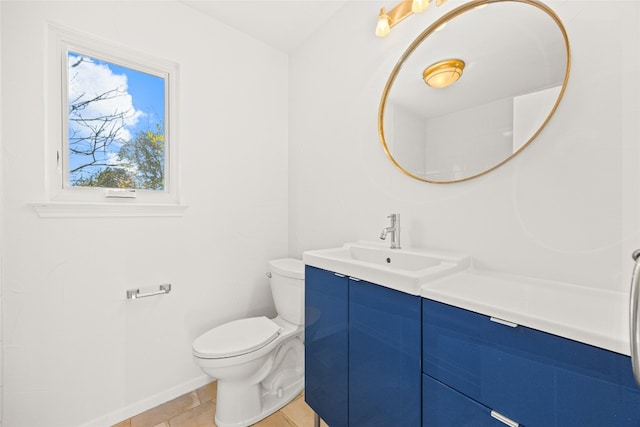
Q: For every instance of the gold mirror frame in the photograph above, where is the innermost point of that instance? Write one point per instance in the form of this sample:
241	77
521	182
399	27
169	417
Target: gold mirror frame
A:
436	26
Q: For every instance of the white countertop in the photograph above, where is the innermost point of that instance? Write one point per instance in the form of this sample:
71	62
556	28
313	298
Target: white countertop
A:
596	317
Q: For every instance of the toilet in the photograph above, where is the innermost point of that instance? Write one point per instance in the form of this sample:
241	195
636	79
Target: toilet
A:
258	362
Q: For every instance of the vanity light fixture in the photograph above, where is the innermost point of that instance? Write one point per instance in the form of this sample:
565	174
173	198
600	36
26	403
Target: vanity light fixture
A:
384	24
418	6
386	20
443	73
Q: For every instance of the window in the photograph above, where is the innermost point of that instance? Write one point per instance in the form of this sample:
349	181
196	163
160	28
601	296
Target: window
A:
112	124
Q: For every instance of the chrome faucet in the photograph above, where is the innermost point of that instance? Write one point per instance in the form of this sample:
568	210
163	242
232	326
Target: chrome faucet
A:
394	229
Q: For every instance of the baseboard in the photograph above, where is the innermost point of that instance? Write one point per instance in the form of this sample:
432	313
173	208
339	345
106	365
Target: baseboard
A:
148	403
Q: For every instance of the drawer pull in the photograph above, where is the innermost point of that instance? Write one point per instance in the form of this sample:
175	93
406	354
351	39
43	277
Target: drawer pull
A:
505	420
504	322
339	275
634	305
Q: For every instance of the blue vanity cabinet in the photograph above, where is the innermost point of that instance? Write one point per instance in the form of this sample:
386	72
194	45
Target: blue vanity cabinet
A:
531	377
362	352
384	357
326	345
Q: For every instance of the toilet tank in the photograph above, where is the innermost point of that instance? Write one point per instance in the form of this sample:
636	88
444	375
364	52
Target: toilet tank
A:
287	288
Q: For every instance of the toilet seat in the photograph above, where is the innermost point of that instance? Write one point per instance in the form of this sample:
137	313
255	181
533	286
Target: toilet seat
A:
236	338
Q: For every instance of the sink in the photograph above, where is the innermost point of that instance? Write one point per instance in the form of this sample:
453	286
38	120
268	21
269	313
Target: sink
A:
388	257
405	270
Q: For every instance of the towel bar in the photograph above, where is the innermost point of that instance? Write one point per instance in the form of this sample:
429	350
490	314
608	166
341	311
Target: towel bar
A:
135	293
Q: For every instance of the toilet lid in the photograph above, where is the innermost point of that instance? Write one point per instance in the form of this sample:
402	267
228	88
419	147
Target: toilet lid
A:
236	338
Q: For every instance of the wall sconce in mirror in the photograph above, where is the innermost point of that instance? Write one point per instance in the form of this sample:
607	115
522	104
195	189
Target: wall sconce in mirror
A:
443	73
386	20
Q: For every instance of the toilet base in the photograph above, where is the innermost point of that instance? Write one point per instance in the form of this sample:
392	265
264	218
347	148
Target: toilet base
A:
271	402
244	402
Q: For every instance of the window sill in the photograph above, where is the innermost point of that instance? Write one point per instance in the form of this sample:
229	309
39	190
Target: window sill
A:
106	210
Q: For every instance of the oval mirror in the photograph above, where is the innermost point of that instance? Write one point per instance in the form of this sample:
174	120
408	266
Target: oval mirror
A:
511	59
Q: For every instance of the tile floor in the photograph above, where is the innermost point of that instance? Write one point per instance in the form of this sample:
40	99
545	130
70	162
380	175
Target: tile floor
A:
197	409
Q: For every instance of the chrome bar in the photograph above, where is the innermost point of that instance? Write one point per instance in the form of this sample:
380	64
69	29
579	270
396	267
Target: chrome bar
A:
135	293
504	420
316	420
503	322
633	317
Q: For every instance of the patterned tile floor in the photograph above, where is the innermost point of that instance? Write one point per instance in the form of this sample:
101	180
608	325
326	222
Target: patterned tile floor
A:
197	409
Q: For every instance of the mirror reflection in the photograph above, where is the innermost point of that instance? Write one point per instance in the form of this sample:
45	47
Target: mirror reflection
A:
474	89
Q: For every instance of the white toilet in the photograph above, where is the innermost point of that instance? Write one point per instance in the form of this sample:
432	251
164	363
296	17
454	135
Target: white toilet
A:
258	362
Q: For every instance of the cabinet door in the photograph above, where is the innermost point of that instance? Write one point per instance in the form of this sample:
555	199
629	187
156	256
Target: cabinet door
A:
442	406
384	357
326	345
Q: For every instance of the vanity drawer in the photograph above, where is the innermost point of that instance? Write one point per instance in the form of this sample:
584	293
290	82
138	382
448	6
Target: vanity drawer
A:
530	376
442	406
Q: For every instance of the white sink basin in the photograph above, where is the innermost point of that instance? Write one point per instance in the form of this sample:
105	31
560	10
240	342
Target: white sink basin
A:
405	270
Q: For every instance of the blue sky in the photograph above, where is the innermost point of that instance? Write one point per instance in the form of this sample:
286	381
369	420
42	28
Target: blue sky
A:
141	95
147	91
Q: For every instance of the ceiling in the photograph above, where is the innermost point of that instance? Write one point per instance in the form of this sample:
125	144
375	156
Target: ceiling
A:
283	24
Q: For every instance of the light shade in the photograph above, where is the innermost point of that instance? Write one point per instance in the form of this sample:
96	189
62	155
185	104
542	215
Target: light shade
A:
443	73
384	26
418	6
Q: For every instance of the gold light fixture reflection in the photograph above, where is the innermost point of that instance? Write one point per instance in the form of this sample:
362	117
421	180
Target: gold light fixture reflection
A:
386	20
443	73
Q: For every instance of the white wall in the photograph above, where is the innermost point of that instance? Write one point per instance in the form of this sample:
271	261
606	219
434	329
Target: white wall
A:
557	211
460	151
528	113
75	351
1	231
405	137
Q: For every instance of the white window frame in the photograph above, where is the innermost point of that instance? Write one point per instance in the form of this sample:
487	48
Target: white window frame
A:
65	200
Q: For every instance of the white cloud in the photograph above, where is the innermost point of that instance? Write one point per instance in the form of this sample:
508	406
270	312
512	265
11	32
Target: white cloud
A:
88	80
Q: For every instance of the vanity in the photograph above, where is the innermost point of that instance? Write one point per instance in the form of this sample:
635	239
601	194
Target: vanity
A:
449	345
